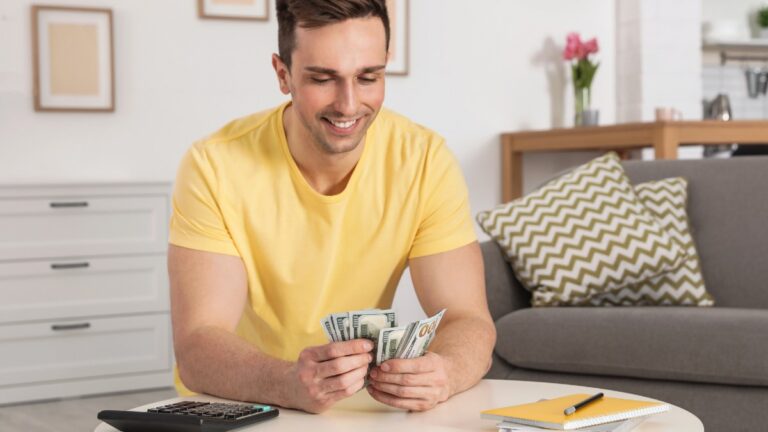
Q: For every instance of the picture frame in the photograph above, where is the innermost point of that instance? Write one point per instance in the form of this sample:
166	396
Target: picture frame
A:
398	56
73	59
252	10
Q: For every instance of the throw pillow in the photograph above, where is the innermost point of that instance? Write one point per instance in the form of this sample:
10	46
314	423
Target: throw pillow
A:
581	234
666	200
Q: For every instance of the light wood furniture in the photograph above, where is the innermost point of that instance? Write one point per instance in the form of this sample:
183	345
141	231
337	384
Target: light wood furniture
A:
84	290
460	413
664	136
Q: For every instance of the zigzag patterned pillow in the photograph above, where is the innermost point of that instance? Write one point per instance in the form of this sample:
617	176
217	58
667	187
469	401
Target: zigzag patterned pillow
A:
666	200
580	235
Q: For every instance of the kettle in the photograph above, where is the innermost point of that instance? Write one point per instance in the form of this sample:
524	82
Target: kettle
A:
720	108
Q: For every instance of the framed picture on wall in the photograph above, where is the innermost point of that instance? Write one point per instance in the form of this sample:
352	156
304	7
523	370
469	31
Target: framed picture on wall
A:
257	10
74	68
398	40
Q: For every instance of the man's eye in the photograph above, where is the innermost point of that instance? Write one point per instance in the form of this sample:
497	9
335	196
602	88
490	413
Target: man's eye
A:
320	80
368	80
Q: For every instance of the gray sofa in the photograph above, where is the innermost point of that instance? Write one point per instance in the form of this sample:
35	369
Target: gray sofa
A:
711	361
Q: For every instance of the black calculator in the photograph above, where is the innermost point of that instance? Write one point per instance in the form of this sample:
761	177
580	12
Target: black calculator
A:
189	416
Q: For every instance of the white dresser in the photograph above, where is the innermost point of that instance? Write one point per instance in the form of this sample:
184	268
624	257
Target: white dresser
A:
84	302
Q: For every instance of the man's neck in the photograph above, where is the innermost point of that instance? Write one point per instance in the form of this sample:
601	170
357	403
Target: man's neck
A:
328	174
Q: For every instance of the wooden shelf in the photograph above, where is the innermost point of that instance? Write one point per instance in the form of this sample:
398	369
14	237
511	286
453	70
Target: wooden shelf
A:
739	50
754	45
663	136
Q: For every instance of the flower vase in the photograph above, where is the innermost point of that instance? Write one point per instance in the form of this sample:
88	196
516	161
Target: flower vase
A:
582	98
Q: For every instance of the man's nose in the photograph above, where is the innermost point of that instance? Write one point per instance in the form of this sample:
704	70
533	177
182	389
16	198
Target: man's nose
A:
347	100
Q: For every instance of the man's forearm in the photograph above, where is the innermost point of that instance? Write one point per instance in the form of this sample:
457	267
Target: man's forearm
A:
221	364
466	343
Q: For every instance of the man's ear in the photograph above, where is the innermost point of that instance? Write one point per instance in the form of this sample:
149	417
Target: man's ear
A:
282	73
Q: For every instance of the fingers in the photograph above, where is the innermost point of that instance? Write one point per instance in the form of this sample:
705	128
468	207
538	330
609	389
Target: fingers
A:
398	402
351	381
341	365
407	379
413	384
417	365
339	349
405	392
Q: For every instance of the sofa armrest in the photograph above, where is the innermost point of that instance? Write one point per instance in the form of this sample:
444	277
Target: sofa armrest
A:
505	294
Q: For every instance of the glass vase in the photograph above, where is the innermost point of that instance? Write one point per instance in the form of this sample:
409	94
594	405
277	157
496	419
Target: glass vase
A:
582	99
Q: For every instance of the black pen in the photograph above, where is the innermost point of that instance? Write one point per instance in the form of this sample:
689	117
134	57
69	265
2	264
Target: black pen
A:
572	409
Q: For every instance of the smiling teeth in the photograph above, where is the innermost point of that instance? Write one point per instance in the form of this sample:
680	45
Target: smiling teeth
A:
343	125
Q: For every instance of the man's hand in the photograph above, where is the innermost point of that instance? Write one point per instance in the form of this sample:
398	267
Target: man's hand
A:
328	373
414	384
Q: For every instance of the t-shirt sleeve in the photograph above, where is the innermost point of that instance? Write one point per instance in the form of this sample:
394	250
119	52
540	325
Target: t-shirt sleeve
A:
446	223
196	220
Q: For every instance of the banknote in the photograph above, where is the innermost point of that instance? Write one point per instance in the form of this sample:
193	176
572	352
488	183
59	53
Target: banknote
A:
325	323
367	323
418	336
388	340
340	322
380	326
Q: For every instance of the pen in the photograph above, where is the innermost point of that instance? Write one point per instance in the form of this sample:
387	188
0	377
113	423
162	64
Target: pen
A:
572	409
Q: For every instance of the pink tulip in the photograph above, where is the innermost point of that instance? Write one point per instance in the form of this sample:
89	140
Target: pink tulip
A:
576	49
591	46
581	52
573	42
573	38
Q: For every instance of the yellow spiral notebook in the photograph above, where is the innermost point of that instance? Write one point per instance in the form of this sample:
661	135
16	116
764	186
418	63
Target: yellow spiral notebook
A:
549	413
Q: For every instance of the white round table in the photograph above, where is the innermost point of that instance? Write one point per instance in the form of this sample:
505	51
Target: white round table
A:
460	413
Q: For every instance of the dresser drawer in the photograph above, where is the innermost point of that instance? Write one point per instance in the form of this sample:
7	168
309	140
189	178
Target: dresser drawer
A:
82	225
67	349
41	290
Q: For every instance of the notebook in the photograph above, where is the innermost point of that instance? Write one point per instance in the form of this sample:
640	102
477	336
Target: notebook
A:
549	413
619	426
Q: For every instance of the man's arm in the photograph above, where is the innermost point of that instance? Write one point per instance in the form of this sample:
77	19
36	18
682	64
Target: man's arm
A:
208	294
460	354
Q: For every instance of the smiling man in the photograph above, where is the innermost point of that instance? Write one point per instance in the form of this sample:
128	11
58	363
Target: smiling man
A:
317	206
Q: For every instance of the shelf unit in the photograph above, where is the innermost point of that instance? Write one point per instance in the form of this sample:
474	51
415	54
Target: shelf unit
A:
85	306
741	50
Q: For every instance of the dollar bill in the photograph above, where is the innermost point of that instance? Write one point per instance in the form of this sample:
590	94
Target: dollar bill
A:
380	326
388	341
340	323
418	336
325	323
367	323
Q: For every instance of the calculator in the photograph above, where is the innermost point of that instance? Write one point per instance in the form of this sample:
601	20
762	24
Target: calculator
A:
189	416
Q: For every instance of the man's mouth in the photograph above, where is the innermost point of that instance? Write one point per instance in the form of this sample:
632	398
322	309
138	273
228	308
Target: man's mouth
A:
343	125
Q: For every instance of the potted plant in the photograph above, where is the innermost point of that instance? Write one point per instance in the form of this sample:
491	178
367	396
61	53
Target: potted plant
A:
583	70
762	21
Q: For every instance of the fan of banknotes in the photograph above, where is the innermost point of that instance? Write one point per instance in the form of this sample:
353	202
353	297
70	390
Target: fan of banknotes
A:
380	326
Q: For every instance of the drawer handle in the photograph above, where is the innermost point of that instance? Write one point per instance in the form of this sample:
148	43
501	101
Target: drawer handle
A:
70	266
69	204
78	326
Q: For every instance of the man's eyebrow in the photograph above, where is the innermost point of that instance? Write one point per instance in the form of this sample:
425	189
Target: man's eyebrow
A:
327	71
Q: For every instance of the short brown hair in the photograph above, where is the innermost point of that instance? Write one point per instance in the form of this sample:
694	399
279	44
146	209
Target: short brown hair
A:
318	13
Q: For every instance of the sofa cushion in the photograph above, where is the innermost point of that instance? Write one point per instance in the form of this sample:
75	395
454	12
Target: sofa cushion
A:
728	204
666	200
713	345
581	234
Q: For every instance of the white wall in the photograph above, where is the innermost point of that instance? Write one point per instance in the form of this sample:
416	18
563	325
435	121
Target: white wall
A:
659	58
742	12
477	69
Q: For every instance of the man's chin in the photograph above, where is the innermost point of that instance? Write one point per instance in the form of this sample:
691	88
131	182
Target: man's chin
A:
340	145
339	148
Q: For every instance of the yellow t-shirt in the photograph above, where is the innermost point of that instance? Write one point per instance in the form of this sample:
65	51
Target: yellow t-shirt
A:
239	192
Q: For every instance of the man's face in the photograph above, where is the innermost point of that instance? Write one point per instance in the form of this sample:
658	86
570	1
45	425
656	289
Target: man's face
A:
337	81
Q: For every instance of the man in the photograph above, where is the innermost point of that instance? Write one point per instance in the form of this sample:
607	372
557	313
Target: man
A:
315	207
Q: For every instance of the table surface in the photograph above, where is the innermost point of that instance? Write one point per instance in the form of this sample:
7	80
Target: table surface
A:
461	412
